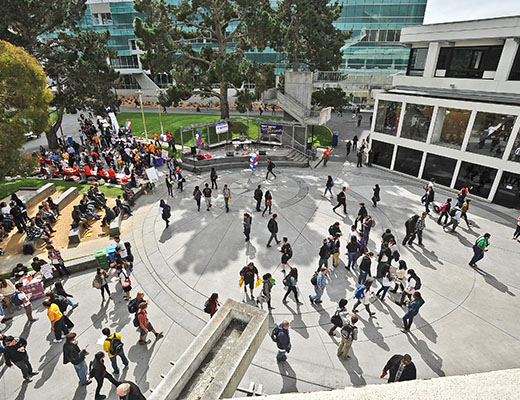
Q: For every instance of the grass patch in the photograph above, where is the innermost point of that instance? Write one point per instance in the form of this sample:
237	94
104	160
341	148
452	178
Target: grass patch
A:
53	116
173	122
8	188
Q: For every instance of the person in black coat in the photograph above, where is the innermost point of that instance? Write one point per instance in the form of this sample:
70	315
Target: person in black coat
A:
15	352
72	354
401	368
99	373
129	391
258	197
272	226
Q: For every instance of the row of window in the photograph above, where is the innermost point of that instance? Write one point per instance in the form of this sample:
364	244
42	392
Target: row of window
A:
380	35
380	10
478	178
489	134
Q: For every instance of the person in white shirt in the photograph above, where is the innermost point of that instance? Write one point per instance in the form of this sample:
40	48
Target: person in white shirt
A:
121	246
352	233
409	287
25	299
455	219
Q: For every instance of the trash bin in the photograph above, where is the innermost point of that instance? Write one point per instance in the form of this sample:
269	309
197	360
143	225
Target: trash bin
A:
111	252
335	138
70	140
102	259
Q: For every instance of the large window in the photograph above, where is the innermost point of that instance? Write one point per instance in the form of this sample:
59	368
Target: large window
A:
128	82
440	168
477	178
508	192
490	134
469	62
382	153
416	122
125	62
450	127
408	161
514	75
416	62
102	19
387	117
515	151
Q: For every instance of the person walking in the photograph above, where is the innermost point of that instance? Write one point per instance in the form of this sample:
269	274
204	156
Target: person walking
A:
268	202
464	210
165	211
270	167
361	295
413	309
7	289
336	320
342	200
272	226
349	333
455	215
479	248
412	284
283	341
169	185
258	194
418	230
213	177
349	146
129	391
428	199
99	372
517	230
326	155
207	196
265	293
401	368
354	142
366	227
226	192
360	158
197	195
72	354
335	249
410	228
21	299
248	274
375	196
57	260
212	305
319	288
287	253
364	267
248	220
145	325
386	273
324	253
101	282
444	210
15	353
113	346
291	282
352	251
124	280
400	276
328	187
57	321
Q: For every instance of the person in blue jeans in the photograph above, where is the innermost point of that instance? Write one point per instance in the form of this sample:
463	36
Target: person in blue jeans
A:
283	341
413	310
321	283
106	347
364	267
72	354
479	248
352	250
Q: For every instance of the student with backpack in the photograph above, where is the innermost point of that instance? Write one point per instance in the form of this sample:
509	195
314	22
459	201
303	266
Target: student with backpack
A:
272	226
364	267
413	309
361	295
72	354
328	187
287	253
265	293
212	305
62	304
341	198
270	167
336	320
20	299
319	287
291	282
349	333
165	210
412	284
455	215
280	335
98	371
410	228
113	346
444	209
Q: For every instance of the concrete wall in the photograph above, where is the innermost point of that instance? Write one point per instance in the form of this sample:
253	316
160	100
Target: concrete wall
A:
40	194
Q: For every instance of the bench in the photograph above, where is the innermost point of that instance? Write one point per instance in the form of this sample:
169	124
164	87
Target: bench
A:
115	225
40	194
29	245
75	235
66	197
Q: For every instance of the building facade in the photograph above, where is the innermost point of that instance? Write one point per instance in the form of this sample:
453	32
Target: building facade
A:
455	115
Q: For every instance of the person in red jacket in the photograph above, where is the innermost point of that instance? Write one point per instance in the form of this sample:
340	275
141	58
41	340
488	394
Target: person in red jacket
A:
213	304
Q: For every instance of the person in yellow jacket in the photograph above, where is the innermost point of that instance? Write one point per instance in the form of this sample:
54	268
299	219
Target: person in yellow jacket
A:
57	320
113	346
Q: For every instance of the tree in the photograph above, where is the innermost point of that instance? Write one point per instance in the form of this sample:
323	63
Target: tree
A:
306	36
24	100
75	62
330	97
203	44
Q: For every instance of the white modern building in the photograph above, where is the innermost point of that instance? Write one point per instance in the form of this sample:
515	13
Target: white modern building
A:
455	115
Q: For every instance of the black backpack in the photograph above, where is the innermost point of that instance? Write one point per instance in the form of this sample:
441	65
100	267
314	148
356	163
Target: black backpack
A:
286	281
274	333
453	211
61	302
314	279
166	211
207	307
133	307
349	330
136	320
289	251
116	346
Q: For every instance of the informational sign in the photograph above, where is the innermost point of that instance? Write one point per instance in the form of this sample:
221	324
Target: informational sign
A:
221	128
268	129
164	154
152	175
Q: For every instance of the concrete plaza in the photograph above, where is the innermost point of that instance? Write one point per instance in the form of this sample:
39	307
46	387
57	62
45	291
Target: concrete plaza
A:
468	324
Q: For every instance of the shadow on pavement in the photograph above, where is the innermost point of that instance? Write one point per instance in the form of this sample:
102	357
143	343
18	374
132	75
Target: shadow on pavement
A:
431	358
491	280
288	377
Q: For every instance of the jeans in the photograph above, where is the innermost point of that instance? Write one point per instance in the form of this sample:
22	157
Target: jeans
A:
319	293
327	189
478	255
517	232
383	289
226	200
362	277
453	222
281	355
25	366
273	236
113	360
444	215
59	328
322	262
408	319
81	371
351	259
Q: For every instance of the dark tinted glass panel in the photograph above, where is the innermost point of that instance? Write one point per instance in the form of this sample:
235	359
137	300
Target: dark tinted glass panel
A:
440	168
469	62
416	62
450	127
382	153
508	192
515	151
387	117
416	122
490	134
408	161
514	75
477	177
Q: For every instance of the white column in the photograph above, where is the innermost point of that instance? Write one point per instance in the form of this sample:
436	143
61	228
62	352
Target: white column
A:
511	140
374	116
506	60
495	184
394	155
469	128
431	60
423	163
401	118
433	124
455	173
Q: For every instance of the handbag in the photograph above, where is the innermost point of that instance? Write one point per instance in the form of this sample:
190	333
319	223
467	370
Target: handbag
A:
336	320
269	202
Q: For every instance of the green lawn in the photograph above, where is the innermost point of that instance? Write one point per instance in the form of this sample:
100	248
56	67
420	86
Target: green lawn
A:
173	122
8	188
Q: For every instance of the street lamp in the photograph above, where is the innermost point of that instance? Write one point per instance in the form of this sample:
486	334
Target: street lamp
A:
140	94
159	91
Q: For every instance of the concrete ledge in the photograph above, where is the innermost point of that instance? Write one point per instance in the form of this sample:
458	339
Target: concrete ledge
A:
208	370
115	225
75	235
80	264
503	384
40	194
66	197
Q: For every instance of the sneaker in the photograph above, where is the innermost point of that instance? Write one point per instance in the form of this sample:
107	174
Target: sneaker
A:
310	299
75	305
143	342
33	320
318	301
57	340
34	373
268	245
86	383
27	380
159	335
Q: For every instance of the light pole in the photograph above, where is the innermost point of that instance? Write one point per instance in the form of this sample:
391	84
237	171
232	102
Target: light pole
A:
160	111
140	94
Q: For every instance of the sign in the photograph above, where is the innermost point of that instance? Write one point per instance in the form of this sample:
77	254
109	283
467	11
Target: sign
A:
113	119
268	129
221	128
152	174
164	154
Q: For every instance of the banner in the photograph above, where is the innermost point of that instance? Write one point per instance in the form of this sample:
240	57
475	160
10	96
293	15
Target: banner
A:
164	154
152	174
113	119
221	128
267	129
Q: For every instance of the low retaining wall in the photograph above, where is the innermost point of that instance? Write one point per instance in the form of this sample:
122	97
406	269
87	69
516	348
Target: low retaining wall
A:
66	197
40	194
